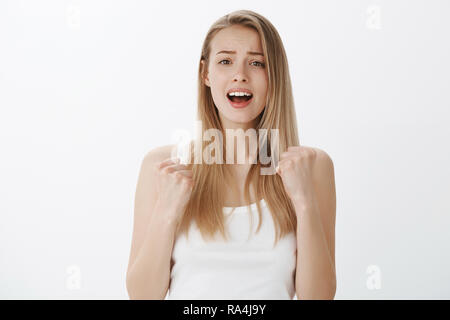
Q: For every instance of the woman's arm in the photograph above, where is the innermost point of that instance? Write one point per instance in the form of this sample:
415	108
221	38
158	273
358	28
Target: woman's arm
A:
316	273
148	274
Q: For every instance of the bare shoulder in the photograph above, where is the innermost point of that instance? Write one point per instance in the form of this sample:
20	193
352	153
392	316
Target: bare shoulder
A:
145	189
158	154
323	164
324	180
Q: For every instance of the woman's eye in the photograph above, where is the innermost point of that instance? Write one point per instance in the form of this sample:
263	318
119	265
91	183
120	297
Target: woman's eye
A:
259	63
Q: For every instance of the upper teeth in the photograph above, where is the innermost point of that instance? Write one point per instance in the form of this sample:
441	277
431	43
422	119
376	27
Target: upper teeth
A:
236	93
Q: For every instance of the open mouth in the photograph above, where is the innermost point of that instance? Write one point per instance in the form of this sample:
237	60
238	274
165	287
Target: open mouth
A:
239	99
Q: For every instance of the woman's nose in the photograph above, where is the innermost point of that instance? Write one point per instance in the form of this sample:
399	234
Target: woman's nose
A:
240	78
240	74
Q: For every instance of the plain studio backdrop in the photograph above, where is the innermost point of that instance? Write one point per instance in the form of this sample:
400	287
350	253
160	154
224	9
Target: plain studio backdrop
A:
87	88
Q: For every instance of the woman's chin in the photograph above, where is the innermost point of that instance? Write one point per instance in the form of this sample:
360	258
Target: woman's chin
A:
237	121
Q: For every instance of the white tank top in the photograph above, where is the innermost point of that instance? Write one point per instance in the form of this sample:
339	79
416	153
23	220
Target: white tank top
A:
242	268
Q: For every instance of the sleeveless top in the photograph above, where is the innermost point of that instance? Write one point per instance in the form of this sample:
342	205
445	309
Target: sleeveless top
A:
247	266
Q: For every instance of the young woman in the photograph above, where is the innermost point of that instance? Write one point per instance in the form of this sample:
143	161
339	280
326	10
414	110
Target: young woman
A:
181	208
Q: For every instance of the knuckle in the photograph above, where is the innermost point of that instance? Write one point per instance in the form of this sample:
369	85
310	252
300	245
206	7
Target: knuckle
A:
178	176
169	169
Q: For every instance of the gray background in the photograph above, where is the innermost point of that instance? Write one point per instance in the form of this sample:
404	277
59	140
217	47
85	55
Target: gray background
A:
87	88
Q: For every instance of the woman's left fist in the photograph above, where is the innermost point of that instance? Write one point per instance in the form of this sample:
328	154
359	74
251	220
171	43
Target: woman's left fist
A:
296	171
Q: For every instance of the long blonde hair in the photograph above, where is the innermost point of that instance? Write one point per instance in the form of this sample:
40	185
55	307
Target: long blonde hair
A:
205	206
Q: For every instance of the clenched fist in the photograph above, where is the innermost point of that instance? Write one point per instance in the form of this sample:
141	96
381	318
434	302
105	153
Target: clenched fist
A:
296	170
174	186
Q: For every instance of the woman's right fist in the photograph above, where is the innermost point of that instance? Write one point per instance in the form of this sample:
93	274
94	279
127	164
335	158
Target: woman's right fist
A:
174	186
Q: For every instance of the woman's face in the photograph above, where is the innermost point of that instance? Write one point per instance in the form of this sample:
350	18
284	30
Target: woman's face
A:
236	61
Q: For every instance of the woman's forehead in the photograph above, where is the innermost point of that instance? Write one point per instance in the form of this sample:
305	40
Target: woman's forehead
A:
236	38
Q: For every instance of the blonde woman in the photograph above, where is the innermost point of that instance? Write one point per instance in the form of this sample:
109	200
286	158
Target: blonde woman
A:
193	234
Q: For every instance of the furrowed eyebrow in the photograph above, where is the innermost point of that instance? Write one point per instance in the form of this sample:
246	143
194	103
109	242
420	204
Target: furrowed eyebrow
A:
253	53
